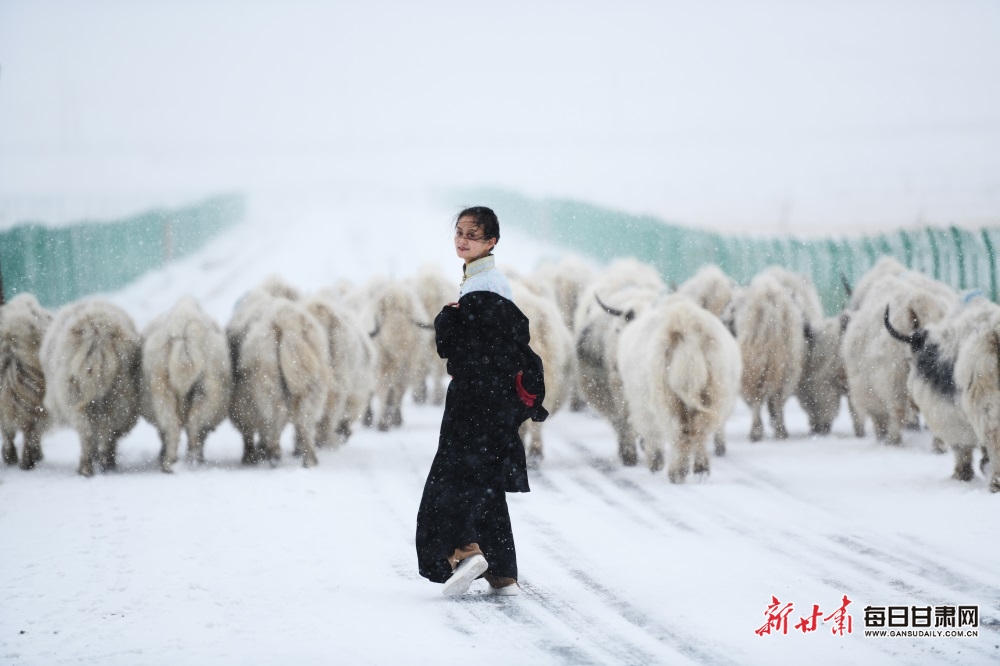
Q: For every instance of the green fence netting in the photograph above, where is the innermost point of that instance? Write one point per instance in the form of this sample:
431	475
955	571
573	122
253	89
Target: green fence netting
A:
60	264
961	258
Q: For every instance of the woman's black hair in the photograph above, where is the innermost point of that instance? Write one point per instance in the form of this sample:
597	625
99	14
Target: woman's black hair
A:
485	220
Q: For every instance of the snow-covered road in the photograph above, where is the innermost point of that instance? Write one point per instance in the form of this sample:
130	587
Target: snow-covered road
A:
228	565
232	565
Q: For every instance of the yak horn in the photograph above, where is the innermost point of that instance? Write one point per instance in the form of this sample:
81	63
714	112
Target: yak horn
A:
847	285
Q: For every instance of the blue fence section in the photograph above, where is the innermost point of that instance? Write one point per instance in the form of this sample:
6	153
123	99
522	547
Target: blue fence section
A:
961	258
61	264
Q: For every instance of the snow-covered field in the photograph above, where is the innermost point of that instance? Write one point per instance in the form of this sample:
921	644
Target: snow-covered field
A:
232	565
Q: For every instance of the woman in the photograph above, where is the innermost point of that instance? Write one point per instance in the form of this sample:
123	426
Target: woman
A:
463	526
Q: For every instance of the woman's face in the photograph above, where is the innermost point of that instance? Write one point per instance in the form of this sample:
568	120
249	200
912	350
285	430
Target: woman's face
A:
469	242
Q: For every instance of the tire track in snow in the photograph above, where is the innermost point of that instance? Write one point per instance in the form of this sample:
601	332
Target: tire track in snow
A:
608	471
558	549
894	558
829	567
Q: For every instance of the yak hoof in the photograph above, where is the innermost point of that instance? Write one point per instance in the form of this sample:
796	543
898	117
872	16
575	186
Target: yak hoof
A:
676	475
629	456
702	469
10	455
995	485
963	473
86	469
756	433
309	460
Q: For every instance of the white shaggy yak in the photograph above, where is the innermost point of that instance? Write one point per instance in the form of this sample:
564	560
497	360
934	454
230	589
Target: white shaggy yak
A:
960	405
23	323
352	358
553	342
91	355
876	365
609	304
281	373
680	371
435	291
619	275
565	281
769	330
824	381
186	379
399	342
888	266
710	288
977	374
801	289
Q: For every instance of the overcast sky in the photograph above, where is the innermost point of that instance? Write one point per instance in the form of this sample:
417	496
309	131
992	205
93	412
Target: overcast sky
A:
784	115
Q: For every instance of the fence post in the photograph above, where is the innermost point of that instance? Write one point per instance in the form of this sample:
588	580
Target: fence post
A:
935	254
991	251
957	237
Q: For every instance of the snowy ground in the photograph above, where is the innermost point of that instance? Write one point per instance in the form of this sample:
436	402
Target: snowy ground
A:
234	565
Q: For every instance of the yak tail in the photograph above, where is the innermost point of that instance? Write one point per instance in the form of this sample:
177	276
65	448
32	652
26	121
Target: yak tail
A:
687	371
186	360
978	371
23	375
300	352
98	355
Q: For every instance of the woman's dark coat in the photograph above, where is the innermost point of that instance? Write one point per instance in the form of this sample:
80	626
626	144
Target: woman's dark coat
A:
480	454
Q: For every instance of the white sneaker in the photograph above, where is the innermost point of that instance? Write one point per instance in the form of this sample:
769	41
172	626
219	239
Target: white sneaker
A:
467	571
511	590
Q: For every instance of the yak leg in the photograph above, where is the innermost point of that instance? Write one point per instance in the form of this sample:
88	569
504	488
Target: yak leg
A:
720	442
196	443
250	453
344	431
678	469
963	463
420	392
169	436
776	409
857	420
534	432
32	447
109	451
9	450
386	419
757	429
